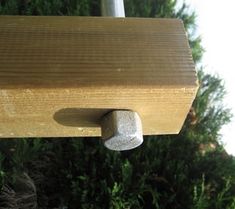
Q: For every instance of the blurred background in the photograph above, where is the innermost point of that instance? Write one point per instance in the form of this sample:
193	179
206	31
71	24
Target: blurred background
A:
214	22
191	170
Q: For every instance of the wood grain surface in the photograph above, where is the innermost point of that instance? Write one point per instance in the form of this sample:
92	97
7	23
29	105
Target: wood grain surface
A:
60	75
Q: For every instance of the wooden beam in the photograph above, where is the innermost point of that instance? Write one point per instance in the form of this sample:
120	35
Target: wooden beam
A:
60	75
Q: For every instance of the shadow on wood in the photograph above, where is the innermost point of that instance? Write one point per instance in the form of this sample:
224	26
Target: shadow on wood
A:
80	117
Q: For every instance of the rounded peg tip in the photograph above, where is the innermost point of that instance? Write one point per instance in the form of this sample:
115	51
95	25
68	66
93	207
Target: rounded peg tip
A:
121	130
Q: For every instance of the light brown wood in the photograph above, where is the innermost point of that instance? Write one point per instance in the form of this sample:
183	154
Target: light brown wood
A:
59	75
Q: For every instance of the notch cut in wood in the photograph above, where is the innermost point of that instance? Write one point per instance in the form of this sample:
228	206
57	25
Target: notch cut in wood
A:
60	75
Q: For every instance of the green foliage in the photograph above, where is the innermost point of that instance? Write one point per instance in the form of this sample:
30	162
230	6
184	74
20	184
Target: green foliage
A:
223	200
2	174
189	170
72	172
209	110
200	198
50	7
196	47
8	7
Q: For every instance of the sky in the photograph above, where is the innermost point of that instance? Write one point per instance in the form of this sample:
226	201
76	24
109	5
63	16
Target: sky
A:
216	25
